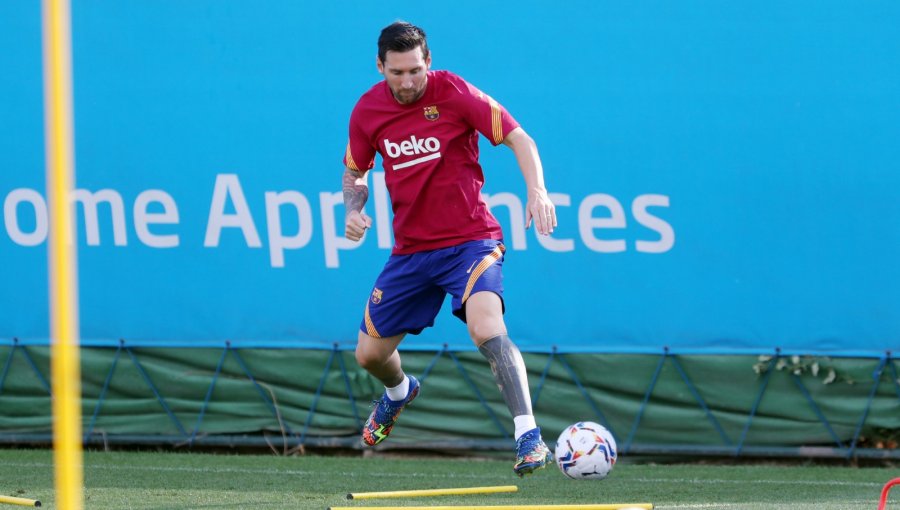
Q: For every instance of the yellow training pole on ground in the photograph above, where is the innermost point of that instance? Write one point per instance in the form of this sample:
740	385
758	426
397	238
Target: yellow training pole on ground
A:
614	506
63	275
10	500
432	492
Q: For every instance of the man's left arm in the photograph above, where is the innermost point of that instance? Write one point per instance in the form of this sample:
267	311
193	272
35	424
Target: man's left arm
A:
539	207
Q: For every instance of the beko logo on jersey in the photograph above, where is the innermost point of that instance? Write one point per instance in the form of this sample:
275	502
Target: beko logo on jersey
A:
412	147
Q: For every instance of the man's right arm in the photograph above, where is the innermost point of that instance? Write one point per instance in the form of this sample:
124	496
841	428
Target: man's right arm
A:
356	193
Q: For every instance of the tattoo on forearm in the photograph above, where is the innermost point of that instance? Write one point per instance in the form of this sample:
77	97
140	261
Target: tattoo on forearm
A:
356	192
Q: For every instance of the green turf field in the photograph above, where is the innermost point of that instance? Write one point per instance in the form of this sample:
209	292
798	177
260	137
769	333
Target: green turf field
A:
141	480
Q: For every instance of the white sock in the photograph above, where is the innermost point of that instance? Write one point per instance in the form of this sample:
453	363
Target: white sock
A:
398	393
524	423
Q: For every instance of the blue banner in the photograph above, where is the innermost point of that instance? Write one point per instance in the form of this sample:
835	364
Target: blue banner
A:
724	172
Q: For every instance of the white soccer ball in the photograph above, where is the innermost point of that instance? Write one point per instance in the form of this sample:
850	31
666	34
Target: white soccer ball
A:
586	451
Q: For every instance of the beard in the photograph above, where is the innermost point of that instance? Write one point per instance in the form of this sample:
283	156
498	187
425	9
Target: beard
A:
408	96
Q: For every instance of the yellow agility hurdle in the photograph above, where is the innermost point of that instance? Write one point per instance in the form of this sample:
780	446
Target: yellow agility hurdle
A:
613	506
19	501
432	492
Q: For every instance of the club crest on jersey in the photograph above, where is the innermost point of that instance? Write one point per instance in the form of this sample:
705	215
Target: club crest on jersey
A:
376	296
432	113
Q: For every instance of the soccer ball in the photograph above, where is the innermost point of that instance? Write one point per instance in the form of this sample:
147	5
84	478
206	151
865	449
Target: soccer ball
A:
586	451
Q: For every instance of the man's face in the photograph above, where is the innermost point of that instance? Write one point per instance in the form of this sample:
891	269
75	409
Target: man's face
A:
406	73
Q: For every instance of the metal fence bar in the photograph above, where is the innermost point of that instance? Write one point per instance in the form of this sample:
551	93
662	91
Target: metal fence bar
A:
700	400
212	384
875	384
895	378
153	388
540	386
640	414
816	409
481	399
8	363
102	395
259	389
587	396
759	396
35	369
359	422
462	445
315	402
433	362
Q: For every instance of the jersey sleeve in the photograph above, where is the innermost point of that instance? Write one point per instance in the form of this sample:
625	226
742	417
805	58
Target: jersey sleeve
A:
360	153
487	116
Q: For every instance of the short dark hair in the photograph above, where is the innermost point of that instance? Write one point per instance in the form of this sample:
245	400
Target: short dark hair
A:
401	36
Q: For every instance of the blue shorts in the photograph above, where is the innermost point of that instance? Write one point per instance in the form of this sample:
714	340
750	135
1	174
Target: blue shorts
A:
410	290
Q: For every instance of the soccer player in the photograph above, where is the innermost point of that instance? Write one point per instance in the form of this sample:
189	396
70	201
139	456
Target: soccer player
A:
425	125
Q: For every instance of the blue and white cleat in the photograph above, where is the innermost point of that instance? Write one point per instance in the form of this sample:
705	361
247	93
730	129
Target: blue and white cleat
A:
383	417
531	453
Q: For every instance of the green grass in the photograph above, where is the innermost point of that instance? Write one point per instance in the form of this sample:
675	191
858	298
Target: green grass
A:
144	480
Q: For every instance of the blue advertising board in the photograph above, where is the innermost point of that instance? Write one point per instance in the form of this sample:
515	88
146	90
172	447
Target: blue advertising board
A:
724	172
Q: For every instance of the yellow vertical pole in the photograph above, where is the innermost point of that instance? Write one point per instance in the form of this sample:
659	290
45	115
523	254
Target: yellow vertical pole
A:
62	261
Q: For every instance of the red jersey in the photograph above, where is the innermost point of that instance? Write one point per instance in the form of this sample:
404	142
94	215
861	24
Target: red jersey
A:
430	153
